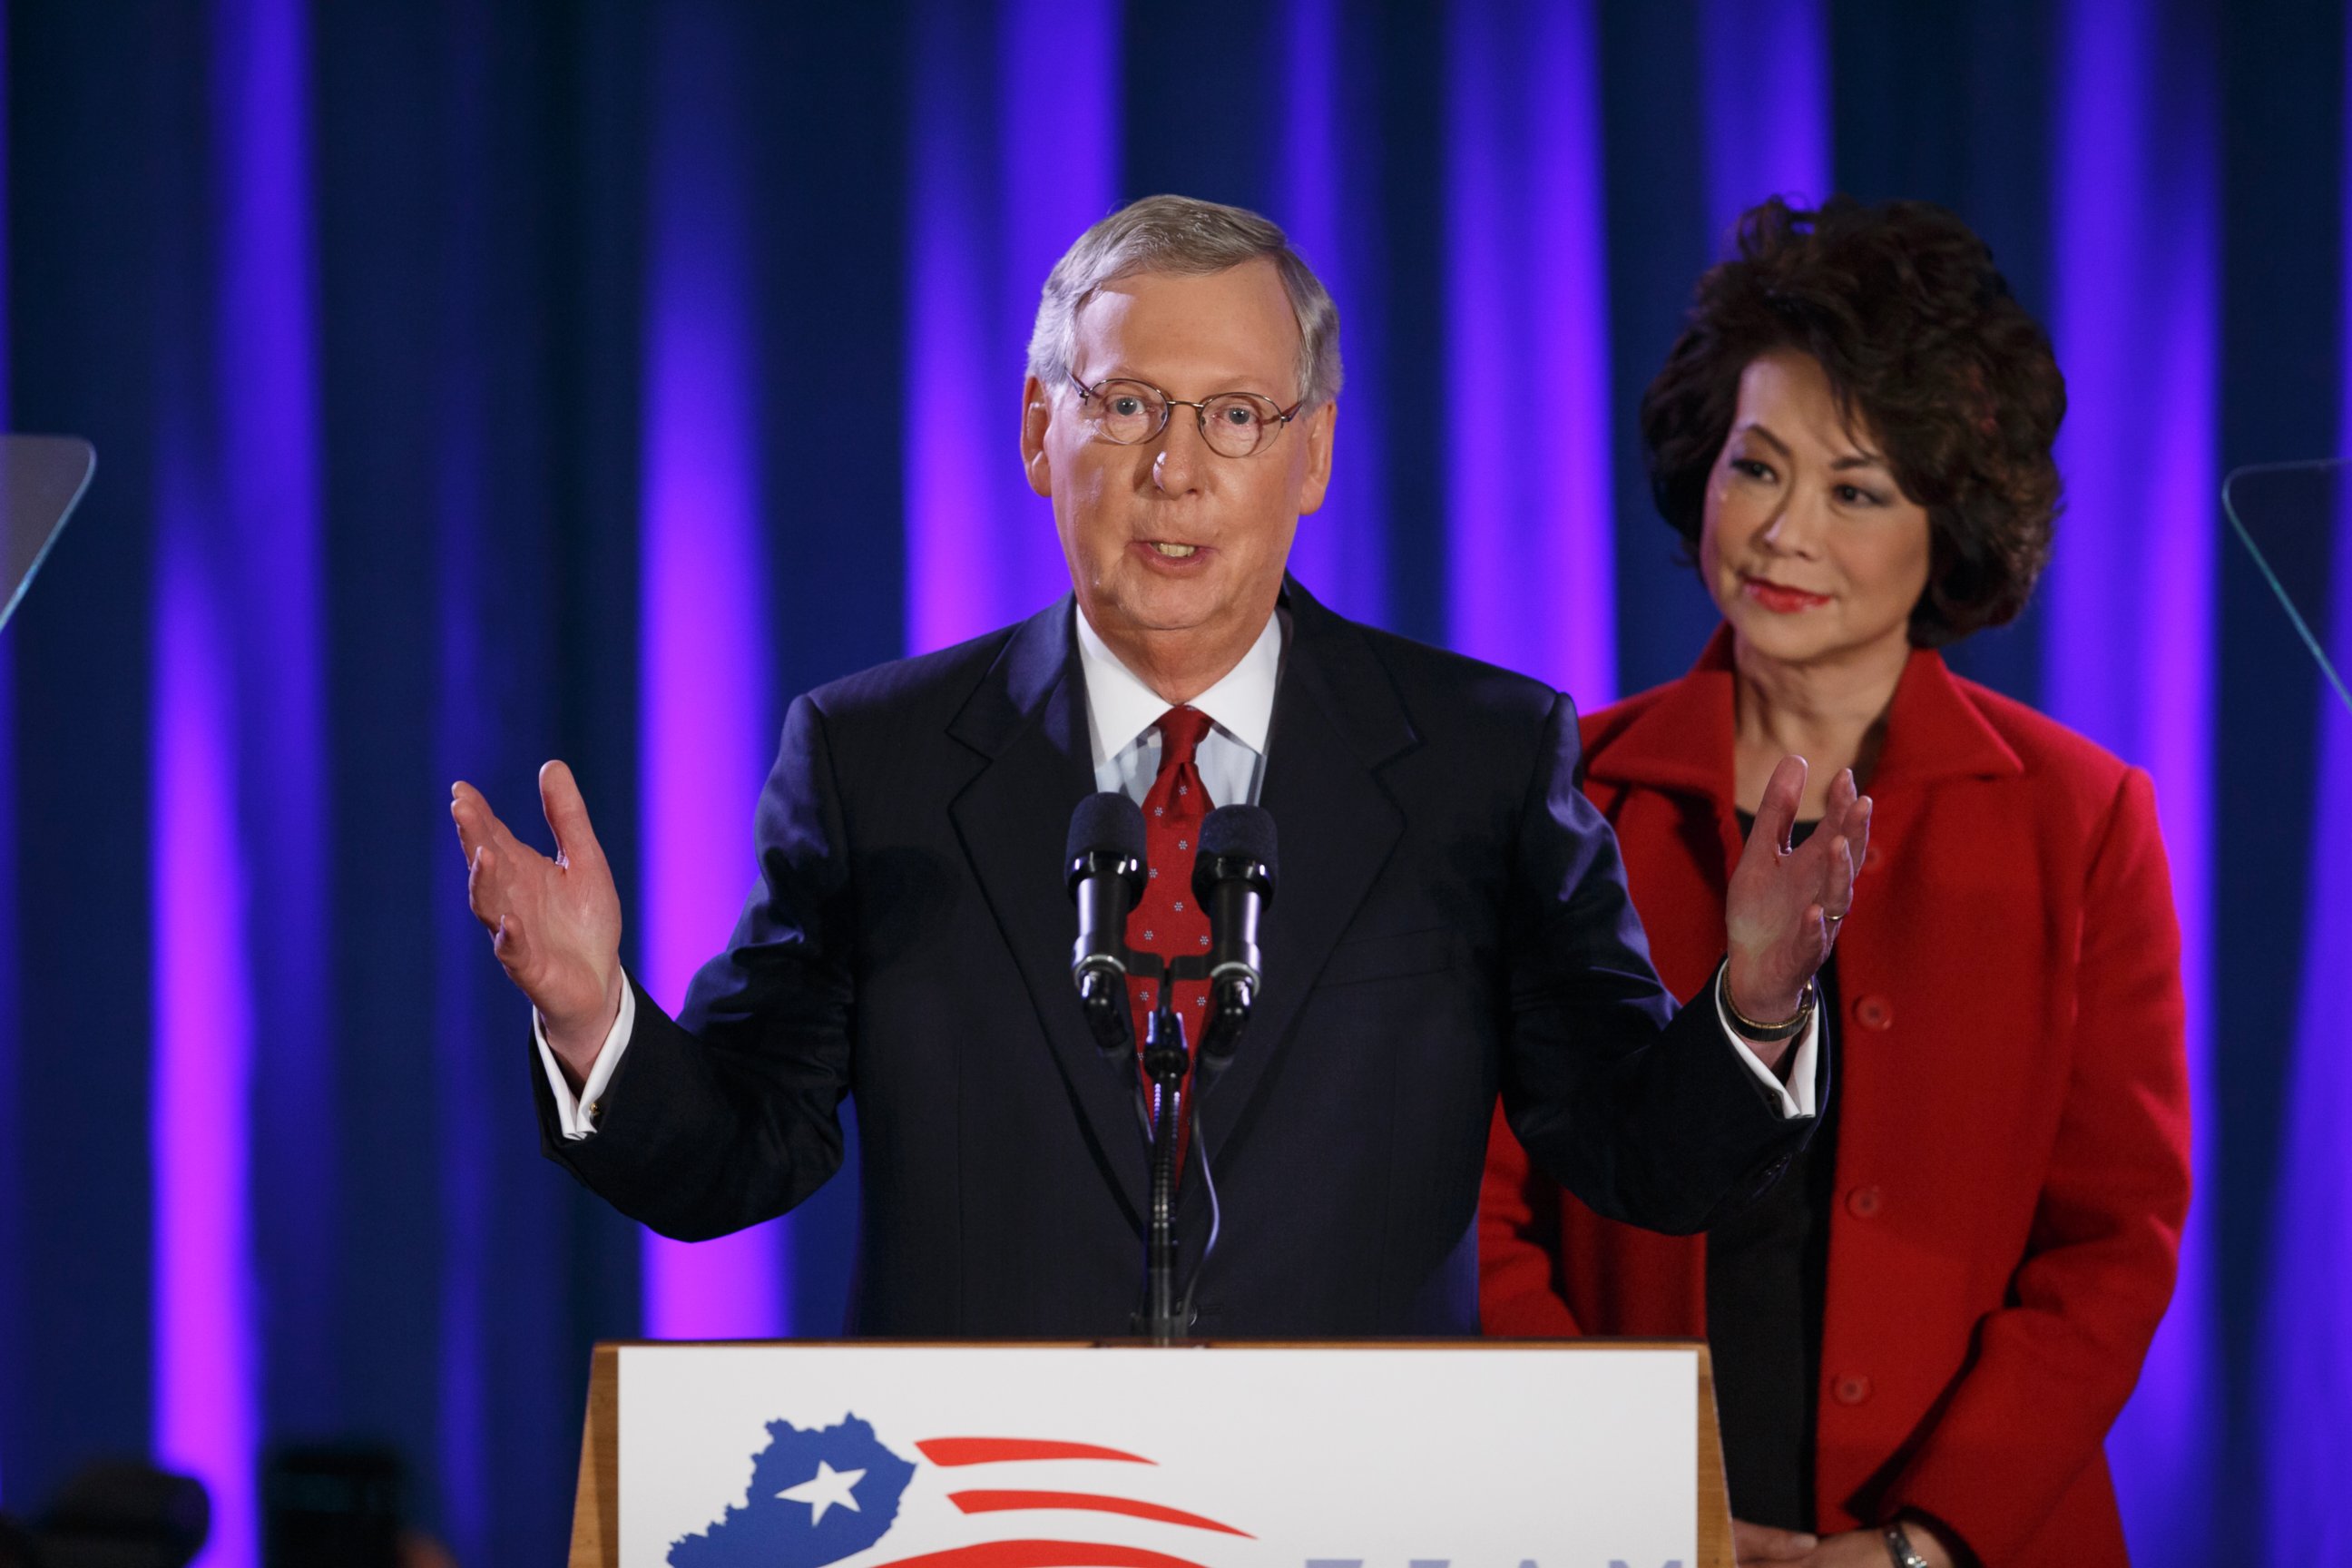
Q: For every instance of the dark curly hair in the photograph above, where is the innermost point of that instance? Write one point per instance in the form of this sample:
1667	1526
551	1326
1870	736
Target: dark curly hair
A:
1918	335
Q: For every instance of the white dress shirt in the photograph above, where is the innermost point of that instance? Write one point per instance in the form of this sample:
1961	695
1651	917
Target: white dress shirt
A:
1123	720
1122	726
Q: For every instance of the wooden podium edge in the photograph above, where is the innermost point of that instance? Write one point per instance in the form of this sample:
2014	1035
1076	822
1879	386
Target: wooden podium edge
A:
1714	1491
596	1501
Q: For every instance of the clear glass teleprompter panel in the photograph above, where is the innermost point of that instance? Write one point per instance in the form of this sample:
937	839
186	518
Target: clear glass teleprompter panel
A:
2296	520
41	478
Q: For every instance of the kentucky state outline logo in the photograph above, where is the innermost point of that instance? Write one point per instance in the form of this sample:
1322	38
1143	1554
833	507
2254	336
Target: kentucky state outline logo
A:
818	1496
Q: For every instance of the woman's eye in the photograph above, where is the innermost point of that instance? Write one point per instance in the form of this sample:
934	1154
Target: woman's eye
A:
1853	495
1126	407
1751	467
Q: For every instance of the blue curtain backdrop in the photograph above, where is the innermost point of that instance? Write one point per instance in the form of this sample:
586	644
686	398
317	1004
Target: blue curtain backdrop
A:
481	382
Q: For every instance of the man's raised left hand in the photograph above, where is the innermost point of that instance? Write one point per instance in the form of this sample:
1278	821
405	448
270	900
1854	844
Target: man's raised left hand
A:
1784	905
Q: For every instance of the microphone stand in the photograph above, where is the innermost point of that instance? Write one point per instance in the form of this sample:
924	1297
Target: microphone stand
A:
1166	1058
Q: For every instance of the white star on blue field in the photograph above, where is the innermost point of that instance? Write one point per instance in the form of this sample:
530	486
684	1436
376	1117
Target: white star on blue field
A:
817	1497
828	1489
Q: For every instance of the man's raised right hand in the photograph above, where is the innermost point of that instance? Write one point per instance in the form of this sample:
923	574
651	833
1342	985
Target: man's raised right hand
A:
554	925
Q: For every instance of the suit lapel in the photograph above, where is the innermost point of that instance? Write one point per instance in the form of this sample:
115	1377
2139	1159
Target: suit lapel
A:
1336	719
1028	718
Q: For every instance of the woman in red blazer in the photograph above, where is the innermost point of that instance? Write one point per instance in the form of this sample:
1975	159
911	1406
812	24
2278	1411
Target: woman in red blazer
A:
1923	1333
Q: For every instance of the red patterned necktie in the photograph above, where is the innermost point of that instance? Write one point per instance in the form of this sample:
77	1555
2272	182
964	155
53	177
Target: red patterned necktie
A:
1167	919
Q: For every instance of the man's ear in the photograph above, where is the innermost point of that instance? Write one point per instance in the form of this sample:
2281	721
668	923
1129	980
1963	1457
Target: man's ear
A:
1037	414
1316	480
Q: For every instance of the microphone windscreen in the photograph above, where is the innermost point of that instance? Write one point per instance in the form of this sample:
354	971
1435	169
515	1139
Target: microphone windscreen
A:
1110	823
1246	831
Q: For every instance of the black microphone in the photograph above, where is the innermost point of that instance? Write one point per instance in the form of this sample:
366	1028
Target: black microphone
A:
1106	877
1233	878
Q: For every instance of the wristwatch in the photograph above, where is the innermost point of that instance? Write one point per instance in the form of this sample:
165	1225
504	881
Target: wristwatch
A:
1899	1548
1749	1029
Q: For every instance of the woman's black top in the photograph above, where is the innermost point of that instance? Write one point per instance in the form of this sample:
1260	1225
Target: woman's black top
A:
1766	1276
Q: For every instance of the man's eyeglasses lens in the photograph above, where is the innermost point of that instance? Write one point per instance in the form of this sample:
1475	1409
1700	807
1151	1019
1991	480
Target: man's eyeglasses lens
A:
1235	422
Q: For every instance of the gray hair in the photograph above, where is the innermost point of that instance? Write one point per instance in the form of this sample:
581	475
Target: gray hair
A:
1192	237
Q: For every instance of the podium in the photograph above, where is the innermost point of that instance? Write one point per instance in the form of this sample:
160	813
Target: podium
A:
1022	1455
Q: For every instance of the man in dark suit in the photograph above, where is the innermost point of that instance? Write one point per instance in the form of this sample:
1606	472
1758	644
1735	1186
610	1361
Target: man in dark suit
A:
1452	921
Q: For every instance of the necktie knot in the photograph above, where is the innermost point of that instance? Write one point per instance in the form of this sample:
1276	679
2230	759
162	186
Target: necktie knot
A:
1182	730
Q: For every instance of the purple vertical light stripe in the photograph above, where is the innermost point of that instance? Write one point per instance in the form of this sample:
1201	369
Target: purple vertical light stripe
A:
465	721
463	1463
2307	1366
1341	552
2128	646
205	1421
1533	580
1015	151
269	471
948	434
1764	68
1057	150
266	395
707	724
240	782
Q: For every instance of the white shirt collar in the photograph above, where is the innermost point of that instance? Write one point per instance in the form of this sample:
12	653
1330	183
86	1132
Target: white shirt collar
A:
1120	707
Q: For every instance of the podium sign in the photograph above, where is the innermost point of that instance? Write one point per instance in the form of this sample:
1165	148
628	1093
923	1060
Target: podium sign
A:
1562	1454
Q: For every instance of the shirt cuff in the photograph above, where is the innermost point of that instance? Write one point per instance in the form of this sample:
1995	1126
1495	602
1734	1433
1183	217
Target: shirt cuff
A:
577	1113
1796	1096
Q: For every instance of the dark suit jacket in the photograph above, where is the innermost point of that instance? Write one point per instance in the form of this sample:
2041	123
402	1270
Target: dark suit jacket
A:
1451	922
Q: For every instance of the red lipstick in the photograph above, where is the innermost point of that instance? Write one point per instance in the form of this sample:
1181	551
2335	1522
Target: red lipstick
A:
1779	599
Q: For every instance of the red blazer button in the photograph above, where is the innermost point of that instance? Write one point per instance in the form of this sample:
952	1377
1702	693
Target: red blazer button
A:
1872	857
1851	1389
1872	1013
1862	1203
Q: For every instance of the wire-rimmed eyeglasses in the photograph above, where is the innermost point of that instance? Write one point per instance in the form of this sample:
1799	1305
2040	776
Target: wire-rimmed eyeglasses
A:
1235	424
